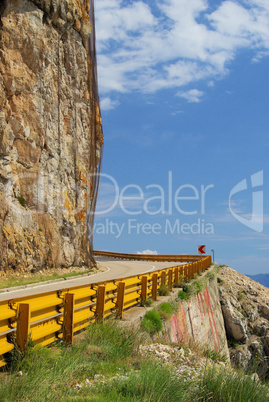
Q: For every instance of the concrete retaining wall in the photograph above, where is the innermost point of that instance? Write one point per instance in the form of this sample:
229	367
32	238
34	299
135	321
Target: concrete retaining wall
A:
198	320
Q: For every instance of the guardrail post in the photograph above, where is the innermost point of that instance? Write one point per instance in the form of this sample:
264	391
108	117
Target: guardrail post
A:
176	276
180	274
100	303
170	279
144	288
23	326
154	286
191	270
163	278
186	272
120	300
69	302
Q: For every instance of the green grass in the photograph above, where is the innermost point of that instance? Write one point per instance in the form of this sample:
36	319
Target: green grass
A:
152	383
183	295
146	303
151	322
52	373
214	356
164	290
211	275
226	385
13	280
107	358
165	310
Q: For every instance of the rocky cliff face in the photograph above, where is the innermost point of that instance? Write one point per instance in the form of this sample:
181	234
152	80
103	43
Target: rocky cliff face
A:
50	132
245	308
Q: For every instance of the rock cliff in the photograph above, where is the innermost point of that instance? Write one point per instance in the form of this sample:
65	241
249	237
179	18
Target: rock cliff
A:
245	308
50	132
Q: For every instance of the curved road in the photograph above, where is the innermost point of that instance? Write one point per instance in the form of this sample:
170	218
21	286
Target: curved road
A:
115	269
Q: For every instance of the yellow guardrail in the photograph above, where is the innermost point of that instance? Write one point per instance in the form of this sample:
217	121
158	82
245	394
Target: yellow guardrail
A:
47	317
150	257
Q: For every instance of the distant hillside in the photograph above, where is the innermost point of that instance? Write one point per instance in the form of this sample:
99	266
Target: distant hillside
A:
263	279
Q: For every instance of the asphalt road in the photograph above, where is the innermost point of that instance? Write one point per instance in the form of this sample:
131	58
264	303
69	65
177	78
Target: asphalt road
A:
115	269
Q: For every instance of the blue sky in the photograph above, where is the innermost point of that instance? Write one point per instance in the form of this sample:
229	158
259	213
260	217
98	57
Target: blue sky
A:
184	99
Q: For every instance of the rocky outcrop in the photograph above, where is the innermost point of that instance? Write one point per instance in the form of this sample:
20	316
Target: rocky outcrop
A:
245	308
50	132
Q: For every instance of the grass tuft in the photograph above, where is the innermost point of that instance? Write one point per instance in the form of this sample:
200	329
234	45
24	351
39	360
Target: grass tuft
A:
183	295
151	322
152	383
165	311
164	290
147	303
222	385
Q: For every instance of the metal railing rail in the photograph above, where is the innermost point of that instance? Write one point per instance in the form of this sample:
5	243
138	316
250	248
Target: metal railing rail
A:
45	318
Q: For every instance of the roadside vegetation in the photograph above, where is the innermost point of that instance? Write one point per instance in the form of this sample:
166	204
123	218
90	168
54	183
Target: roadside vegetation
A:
36	276
106	365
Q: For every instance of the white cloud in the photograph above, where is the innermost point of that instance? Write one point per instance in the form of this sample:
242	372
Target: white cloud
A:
146	48
193	95
108	104
148	252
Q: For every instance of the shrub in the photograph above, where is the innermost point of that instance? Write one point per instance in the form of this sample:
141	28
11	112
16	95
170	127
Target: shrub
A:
163	290
183	295
152	322
219	280
165	310
186	288
21	201
190	289
240	294
197	287
211	275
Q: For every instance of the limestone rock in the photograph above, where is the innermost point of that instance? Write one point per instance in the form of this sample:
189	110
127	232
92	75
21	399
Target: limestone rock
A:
236	328
246	315
241	357
264	311
50	132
